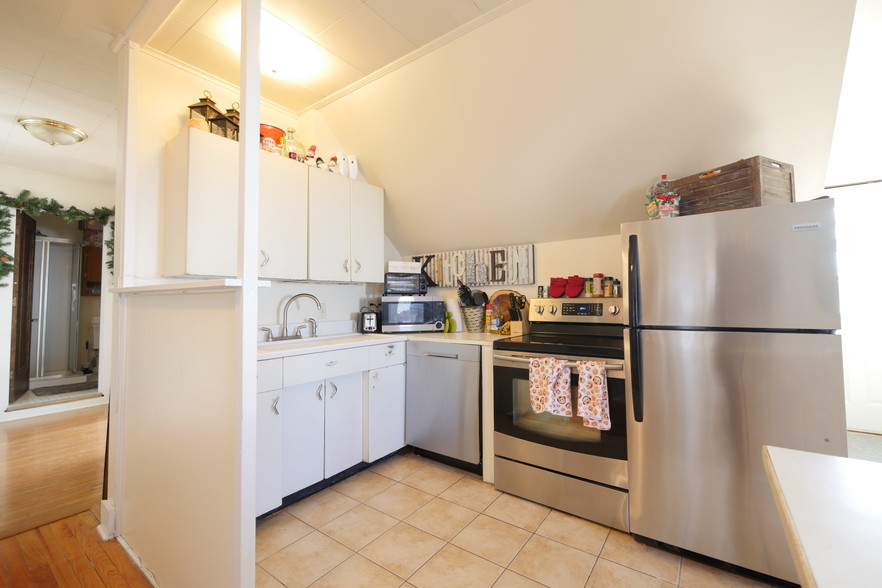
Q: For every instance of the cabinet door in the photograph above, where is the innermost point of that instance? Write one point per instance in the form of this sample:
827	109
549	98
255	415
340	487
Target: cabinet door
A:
384	413
200	207
343	422
329	226
269	452
303	433
367	236
92	267
283	218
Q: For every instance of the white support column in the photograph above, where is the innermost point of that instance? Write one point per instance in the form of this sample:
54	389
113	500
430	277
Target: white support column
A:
247	271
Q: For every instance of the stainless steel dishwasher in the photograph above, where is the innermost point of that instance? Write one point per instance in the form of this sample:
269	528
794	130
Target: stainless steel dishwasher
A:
443	403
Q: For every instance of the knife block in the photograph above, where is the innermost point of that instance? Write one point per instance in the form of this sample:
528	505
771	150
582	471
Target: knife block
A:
519	328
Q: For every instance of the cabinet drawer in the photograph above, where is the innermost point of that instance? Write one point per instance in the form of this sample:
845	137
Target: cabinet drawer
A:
269	375
319	366
388	354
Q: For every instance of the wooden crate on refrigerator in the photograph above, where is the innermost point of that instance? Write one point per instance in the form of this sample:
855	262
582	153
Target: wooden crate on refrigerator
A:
758	181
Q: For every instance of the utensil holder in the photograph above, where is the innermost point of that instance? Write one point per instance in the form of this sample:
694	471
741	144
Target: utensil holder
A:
473	317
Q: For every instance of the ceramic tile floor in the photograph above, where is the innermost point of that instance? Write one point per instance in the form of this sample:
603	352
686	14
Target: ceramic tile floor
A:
409	521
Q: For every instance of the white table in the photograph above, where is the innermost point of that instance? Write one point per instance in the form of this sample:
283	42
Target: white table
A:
831	508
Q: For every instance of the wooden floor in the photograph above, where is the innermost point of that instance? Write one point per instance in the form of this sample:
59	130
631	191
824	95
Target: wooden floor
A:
66	553
51	476
51	467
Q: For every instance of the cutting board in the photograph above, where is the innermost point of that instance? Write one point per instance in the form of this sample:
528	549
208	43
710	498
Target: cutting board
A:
505	303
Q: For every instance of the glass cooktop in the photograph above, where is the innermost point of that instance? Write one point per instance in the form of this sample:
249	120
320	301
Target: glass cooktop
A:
610	345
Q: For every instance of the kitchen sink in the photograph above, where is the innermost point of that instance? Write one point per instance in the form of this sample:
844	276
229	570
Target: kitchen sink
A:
321	343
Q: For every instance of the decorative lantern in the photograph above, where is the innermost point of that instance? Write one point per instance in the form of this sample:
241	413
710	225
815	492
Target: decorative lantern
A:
233	122
226	125
204	110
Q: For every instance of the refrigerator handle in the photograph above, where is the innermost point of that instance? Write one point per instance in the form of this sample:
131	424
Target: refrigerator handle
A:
633	285
636	373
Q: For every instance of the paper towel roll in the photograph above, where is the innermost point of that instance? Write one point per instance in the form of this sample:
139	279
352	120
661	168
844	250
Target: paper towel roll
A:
452	305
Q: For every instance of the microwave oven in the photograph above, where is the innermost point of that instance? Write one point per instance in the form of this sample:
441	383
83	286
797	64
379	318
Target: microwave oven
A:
401	284
412	314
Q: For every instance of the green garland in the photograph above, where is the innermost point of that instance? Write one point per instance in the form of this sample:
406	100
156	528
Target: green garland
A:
34	206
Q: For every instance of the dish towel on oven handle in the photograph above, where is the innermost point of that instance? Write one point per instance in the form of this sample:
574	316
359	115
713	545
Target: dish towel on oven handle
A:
550	386
593	395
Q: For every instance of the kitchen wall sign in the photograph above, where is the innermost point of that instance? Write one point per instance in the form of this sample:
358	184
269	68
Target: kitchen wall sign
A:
490	266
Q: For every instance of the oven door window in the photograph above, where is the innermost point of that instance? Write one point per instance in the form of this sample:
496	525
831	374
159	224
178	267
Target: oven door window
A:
514	416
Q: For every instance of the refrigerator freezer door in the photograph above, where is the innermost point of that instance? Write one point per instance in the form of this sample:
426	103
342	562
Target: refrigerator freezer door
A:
771	267
711	400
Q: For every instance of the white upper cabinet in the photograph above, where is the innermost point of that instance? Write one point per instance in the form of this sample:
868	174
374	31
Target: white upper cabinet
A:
201	207
345	229
329	226
284	190
367	234
312	224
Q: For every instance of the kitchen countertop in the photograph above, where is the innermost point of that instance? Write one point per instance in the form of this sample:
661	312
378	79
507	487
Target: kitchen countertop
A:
483	339
276	349
832	515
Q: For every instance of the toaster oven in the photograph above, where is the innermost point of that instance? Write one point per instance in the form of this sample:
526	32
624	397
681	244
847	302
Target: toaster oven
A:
402	284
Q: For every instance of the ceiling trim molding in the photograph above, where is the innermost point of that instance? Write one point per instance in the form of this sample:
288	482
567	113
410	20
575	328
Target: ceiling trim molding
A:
148	19
417	53
225	84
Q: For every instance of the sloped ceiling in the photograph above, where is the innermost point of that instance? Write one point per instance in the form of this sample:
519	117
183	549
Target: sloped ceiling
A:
548	122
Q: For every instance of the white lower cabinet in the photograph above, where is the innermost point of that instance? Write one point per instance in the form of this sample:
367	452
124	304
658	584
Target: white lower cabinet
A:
268	491
384	401
319	414
384	412
269	452
343	416
321	430
303	434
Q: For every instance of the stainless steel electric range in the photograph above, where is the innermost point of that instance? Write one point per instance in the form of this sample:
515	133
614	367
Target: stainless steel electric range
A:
556	460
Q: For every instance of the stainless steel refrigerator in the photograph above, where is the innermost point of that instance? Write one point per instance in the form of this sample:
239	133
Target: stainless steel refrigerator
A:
732	344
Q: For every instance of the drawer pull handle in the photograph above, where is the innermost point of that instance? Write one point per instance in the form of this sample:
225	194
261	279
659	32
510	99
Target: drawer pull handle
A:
331	363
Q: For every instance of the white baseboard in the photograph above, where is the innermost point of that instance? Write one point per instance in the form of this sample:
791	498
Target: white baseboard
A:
137	561
107	528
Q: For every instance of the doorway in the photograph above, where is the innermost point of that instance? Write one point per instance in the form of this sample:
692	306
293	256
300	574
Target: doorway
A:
56	311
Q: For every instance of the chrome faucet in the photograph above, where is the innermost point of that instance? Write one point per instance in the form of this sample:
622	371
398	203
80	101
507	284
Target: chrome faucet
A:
285	313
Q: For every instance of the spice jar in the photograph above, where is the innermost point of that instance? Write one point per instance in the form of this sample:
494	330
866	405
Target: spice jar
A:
608	287
597	287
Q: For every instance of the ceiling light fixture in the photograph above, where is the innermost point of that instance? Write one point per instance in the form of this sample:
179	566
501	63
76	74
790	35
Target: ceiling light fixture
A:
52	131
285	52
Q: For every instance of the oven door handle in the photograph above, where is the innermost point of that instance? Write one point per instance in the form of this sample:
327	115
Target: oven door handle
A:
609	366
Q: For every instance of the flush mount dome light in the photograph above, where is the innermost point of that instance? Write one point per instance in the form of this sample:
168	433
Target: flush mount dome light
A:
52	131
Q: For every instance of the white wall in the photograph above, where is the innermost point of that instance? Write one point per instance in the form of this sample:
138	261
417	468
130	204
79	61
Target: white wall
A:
67	191
550	121
562	259
179	470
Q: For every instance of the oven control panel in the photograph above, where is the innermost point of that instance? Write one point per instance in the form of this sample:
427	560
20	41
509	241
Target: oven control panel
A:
577	310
